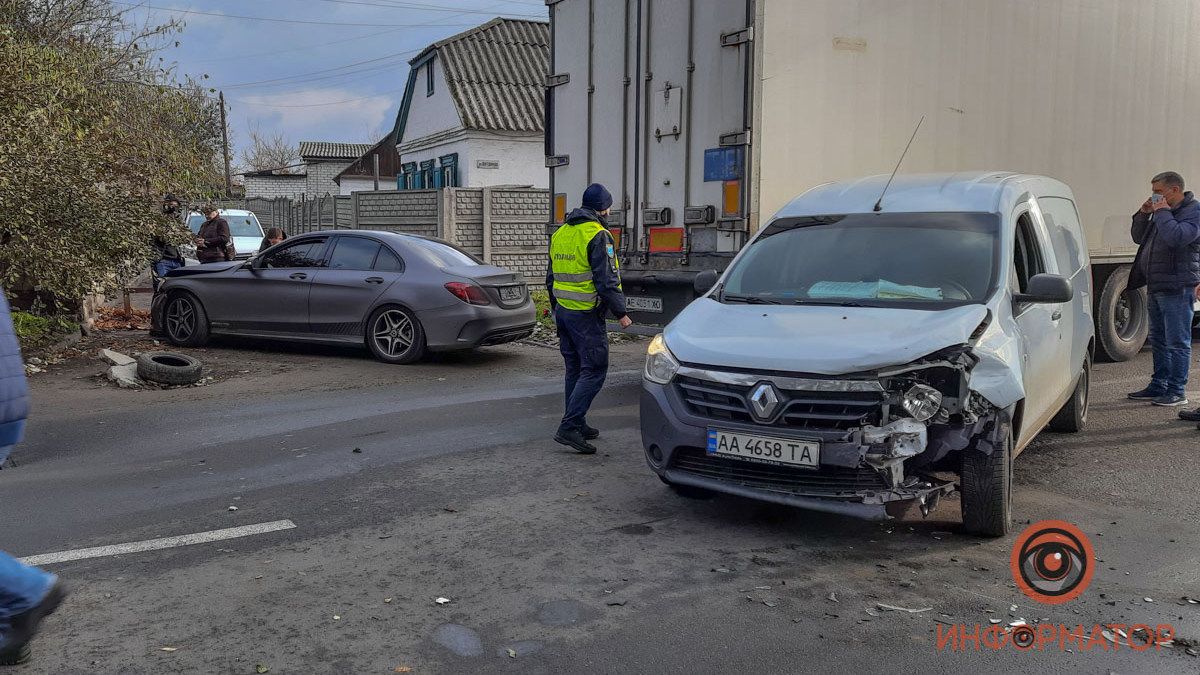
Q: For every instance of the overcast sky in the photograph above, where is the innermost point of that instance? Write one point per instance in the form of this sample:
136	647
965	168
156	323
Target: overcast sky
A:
311	77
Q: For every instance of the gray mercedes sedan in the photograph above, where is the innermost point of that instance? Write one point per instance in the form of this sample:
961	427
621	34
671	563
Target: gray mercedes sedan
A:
402	295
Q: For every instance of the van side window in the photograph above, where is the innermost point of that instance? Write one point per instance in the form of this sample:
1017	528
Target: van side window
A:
1062	220
1027	255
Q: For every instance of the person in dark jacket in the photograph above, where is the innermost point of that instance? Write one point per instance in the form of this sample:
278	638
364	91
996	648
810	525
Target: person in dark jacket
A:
27	594
169	257
1167	231
274	236
213	238
584	282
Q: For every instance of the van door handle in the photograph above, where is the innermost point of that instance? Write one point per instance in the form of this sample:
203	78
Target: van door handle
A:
1056	315
374	280
298	275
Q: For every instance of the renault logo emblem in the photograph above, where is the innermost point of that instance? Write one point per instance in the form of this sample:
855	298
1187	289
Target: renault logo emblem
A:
764	401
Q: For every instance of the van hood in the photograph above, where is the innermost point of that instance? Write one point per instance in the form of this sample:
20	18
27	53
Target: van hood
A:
814	339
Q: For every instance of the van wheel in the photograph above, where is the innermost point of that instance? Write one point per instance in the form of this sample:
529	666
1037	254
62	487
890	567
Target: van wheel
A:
1073	415
1121	320
394	335
987	490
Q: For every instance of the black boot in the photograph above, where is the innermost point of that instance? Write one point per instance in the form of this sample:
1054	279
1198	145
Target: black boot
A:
14	648
574	438
592	433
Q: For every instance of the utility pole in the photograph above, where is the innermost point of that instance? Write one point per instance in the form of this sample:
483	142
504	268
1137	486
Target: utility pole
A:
375	157
225	143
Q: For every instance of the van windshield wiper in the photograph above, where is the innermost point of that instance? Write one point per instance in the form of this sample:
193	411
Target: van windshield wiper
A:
750	299
829	303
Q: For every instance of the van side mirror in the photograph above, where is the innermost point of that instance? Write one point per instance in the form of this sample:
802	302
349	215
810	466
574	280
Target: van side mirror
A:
1046	289
704	282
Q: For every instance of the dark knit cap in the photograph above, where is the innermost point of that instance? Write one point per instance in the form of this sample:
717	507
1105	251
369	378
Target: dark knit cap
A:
596	197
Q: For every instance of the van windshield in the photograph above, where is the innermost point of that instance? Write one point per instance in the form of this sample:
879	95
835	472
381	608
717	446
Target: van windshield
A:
930	260
239	226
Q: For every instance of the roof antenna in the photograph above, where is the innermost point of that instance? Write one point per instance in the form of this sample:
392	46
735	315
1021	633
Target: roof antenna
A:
879	204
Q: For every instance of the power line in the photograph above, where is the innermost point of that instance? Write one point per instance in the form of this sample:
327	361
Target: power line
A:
300	48
326	70
278	20
316	105
421	6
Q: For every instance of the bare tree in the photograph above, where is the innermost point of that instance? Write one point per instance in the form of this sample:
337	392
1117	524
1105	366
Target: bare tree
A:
265	151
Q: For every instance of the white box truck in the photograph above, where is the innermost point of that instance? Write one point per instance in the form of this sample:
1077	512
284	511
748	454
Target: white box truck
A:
704	117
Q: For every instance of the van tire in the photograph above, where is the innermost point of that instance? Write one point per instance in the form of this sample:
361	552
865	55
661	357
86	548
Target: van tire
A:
1073	415
1128	309
986	486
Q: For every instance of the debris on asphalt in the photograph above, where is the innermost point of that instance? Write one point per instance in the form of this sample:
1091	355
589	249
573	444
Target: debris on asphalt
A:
512	653
169	649
832	597
336	617
1190	601
872	612
442	601
993	621
402	669
616	603
116	358
448	509
262	668
768	603
357	451
1147	599
722	570
894	608
387	601
907	584
233	508
125	376
1012	608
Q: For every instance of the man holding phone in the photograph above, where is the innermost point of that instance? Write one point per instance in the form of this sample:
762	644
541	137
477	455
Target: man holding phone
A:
1167	230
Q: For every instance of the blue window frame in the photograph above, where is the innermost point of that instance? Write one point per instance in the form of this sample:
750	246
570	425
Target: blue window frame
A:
426	175
448	170
408	176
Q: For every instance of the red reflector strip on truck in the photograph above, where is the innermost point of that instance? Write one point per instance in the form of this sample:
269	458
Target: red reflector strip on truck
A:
666	239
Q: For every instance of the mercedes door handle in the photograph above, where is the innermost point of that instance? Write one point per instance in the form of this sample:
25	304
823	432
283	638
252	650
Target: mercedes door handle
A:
1056	315
299	276
374	280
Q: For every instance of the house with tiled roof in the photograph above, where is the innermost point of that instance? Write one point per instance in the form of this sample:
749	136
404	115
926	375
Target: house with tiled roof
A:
323	161
473	109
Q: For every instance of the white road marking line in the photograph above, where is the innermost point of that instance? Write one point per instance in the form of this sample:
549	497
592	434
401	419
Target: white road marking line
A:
158	544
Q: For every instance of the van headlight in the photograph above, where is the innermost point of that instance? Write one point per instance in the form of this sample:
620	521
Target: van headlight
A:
661	365
921	401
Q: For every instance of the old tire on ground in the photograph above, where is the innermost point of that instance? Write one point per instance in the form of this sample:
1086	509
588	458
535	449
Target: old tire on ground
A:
168	368
987	490
394	335
185	322
1121	320
1073	415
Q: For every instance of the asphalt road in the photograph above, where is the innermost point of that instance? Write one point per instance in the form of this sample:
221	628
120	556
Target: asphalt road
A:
551	562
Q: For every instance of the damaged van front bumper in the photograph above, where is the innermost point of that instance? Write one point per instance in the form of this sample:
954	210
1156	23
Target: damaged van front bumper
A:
876	459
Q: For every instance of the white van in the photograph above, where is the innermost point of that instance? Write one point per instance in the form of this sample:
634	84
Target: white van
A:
859	346
247	232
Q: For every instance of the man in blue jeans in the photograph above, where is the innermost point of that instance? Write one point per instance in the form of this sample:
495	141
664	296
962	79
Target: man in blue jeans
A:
27	594
584	282
1167	230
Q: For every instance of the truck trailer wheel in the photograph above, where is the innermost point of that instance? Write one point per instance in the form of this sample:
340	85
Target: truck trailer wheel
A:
1121	320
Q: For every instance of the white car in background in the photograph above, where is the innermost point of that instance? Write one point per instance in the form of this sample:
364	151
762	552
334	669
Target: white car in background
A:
243	225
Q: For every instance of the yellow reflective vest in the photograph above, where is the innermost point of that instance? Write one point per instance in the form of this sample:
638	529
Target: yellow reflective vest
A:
573	285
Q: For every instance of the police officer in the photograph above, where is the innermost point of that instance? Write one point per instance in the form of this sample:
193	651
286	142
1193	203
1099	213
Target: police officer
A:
585	284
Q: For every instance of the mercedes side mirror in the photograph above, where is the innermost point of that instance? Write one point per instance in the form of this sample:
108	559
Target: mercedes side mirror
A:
1046	289
704	282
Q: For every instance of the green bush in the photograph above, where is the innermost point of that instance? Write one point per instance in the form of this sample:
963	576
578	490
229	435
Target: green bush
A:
35	330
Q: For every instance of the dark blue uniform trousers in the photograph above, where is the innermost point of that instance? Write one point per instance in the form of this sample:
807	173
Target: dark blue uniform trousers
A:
583	341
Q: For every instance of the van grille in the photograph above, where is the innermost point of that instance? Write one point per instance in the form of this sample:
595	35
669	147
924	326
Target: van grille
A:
813	410
827	481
